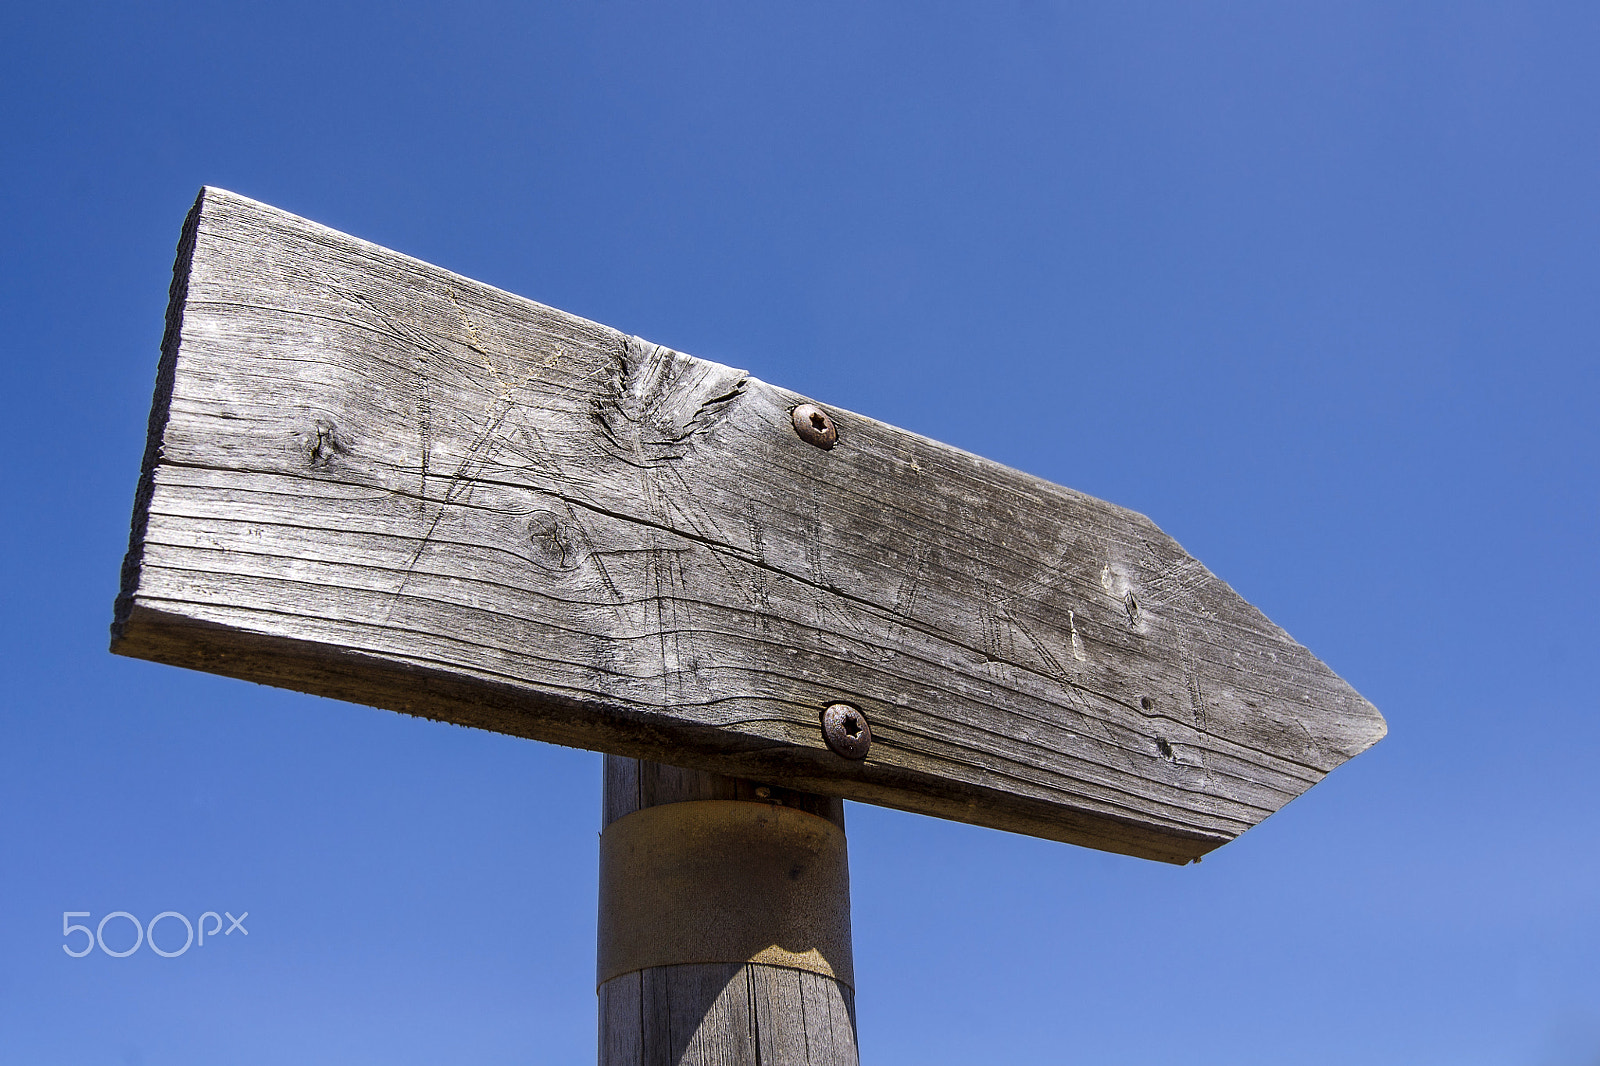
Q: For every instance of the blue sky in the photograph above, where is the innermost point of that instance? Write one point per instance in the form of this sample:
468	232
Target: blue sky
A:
1312	285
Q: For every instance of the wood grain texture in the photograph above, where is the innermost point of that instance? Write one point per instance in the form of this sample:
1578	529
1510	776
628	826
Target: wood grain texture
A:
633	784
727	1014
372	479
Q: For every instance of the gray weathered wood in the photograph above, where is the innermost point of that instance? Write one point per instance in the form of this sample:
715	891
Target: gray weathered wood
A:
718	1013
375	480
725	1014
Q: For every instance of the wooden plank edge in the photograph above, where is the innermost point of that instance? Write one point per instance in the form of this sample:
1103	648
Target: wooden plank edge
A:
160	405
146	632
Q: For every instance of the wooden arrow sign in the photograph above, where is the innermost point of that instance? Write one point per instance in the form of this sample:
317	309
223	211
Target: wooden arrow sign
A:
372	479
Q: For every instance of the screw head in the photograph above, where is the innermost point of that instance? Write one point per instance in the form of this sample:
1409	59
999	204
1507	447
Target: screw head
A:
815	426
846	731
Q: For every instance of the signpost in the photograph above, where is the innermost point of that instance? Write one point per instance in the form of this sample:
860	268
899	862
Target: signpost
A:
371	479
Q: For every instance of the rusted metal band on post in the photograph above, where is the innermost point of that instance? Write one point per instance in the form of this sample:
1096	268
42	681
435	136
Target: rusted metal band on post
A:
724	881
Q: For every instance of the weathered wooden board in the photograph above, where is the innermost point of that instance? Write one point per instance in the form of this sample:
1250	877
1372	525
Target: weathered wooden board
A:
373	479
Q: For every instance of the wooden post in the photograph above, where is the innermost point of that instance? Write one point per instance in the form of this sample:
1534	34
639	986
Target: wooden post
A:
724	932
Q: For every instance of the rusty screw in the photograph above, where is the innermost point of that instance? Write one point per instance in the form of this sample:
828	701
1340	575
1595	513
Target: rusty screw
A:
845	729
815	426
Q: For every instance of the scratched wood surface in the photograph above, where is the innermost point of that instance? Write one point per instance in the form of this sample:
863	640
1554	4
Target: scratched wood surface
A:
373	479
